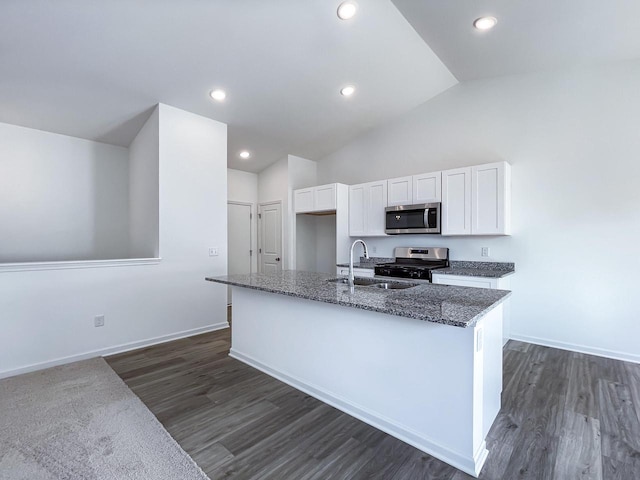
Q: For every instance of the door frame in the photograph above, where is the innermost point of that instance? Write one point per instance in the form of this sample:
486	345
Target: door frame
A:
259	243
250	205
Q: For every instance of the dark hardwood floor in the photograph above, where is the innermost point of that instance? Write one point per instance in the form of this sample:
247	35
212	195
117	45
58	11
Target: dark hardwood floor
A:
564	416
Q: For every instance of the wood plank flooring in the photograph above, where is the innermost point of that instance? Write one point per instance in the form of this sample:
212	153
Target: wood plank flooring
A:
565	416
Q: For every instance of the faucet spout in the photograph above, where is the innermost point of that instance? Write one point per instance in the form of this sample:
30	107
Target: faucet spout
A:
366	255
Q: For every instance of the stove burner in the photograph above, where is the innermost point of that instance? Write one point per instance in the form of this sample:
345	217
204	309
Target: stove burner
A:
413	266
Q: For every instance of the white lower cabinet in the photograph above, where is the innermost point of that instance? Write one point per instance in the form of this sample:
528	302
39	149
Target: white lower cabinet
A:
481	282
460	281
367	202
357	272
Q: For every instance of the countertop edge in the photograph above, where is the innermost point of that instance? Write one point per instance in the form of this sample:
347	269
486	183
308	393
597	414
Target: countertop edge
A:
470	323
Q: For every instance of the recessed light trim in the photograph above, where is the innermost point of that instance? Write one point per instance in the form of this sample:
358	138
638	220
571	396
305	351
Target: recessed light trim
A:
218	94
347	10
347	90
245	154
485	23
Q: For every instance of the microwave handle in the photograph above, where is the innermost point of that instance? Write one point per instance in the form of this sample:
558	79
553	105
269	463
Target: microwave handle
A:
425	220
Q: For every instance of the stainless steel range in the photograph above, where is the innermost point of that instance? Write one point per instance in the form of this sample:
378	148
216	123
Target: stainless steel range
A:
414	262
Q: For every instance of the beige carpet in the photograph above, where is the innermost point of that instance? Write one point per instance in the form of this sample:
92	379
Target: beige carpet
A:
80	421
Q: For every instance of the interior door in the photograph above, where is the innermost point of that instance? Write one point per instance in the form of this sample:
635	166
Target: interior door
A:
238	240
270	239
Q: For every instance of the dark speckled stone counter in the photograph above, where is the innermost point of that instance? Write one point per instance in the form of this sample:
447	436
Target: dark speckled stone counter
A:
449	305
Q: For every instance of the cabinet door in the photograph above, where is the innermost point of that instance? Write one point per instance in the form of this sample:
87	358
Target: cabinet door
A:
490	199
427	188
400	191
357	219
303	200
362	272
456	201
376	202
357	272
324	198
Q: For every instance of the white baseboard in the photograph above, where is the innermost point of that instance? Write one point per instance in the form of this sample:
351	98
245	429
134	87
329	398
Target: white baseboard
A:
125	347
472	466
600	352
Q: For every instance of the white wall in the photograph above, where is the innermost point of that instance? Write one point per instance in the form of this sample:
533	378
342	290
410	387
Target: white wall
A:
572	139
326	244
46	317
243	187
61	198
302	173
273	186
143	190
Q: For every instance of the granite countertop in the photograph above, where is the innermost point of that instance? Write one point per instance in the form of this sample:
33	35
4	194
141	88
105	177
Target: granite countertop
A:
478	269
463	268
449	305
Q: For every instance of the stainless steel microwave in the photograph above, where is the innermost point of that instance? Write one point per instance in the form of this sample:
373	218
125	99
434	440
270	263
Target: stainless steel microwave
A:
408	219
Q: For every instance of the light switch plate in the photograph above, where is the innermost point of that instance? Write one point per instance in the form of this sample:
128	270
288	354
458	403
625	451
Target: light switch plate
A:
98	321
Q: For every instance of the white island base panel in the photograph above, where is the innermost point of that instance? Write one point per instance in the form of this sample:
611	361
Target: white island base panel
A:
433	386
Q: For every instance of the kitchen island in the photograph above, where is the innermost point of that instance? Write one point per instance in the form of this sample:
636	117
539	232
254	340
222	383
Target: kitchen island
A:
423	364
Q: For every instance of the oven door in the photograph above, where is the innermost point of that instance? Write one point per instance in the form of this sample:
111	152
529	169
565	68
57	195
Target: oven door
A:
408	219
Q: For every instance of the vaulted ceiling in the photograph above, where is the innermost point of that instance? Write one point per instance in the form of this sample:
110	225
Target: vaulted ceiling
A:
95	68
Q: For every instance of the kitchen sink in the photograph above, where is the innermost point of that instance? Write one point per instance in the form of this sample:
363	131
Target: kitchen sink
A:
394	285
361	281
374	282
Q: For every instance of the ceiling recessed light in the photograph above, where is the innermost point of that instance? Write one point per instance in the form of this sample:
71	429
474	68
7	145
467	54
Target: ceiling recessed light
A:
347	10
218	94
347	91
245	154
485	23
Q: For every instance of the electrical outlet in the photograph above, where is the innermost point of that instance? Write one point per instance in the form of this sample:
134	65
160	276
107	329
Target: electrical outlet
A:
98	321
213	252
374	249
485	251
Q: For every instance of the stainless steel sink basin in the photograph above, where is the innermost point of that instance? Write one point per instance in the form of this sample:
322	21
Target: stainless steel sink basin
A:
394	285
374	282
366	282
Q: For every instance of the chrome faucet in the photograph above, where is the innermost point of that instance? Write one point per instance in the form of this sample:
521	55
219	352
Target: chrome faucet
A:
366	255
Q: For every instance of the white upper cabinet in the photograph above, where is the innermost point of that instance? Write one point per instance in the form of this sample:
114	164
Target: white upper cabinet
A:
367	202
456	202
357	202
324	197
400	191
315	199
377	202
303	200
424	188
427	188
491	199
476	200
